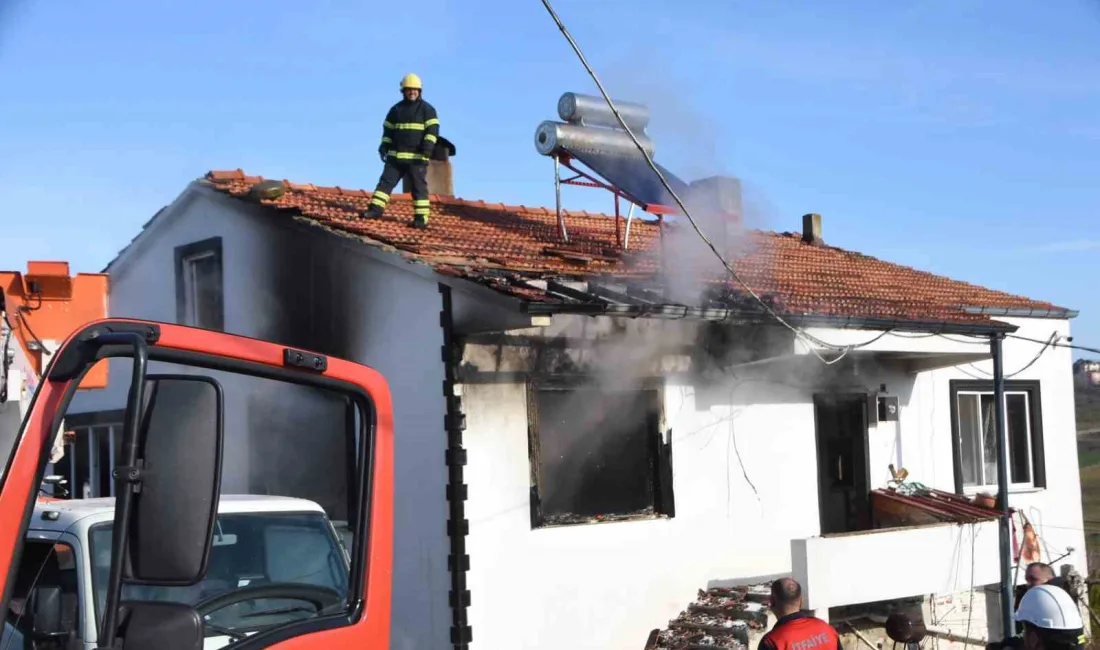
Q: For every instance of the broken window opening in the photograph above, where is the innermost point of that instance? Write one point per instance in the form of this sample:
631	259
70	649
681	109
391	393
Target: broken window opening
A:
597	455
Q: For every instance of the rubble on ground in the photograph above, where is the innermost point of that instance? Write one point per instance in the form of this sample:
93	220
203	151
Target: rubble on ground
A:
720	617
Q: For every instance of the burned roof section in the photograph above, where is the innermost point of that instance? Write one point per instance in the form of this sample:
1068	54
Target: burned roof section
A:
517	251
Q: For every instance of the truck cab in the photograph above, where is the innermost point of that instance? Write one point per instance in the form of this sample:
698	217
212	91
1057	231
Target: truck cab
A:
258	542
174	562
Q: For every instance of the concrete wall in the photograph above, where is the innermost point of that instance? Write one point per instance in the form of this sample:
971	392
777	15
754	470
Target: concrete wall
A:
307	288
745	483
938	559
745	473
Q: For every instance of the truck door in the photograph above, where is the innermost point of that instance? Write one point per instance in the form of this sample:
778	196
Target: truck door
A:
194	412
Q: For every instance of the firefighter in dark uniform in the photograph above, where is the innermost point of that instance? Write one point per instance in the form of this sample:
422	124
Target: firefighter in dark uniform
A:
795	629
409	134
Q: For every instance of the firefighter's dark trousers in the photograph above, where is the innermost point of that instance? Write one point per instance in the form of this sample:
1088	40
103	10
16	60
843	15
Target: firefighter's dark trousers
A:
417	173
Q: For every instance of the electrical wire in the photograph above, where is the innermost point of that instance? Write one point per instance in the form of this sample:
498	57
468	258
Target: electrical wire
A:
805	337
809	339
27	326
1051	342
1057	345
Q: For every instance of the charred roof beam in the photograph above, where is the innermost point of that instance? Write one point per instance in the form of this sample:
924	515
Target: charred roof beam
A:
584	297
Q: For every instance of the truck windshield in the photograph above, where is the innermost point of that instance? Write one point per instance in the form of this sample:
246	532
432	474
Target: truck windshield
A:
250	550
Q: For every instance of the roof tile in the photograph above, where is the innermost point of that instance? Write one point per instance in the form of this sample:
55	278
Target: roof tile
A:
800	278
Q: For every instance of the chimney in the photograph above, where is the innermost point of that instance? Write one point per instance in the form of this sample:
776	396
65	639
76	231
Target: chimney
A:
718	197
440	175
811	229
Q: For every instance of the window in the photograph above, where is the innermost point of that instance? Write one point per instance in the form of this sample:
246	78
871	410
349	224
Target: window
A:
597	455
44	567
199	284
249	550
973	433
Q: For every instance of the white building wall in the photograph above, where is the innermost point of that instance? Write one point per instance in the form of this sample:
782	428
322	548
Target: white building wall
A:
745	482
395	318
1055	511
745	477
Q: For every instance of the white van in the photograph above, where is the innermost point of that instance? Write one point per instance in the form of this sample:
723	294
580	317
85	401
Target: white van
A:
274	560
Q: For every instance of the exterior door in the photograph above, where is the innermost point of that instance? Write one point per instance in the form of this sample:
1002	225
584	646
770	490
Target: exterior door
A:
843	474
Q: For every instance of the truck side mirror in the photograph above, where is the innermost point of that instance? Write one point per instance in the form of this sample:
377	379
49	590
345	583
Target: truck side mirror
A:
45	606
178	477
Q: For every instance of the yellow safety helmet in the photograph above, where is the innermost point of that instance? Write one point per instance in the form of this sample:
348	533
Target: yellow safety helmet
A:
411	81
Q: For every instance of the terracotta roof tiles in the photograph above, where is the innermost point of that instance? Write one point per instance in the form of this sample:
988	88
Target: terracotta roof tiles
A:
474	239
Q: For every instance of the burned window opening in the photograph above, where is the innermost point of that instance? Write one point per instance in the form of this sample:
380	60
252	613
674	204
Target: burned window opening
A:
597	455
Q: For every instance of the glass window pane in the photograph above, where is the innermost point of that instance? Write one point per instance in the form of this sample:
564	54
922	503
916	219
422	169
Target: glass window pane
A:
1018	437
970	439
205	290
989	439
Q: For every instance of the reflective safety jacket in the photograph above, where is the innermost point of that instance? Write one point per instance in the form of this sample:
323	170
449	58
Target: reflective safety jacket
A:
410	131
800	631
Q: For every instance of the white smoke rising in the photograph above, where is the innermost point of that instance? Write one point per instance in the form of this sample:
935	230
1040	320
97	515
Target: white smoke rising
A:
694	144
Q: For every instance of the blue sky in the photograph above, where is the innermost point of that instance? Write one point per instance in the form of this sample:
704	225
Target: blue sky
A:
957	136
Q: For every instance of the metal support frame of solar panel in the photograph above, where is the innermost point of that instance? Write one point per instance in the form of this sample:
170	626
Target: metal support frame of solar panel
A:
628	176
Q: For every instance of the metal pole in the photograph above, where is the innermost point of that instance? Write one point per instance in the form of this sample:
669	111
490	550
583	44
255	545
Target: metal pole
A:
557	198
1002	484
72	469
629	216
618	234
111	446
93	474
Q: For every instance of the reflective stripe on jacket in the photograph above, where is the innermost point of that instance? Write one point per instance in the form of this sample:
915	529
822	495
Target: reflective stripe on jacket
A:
800	631
410	131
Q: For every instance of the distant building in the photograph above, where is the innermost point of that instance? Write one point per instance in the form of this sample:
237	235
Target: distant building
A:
1087	371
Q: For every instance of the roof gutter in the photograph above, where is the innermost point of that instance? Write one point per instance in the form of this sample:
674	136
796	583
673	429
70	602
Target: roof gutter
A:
1023	312
681	312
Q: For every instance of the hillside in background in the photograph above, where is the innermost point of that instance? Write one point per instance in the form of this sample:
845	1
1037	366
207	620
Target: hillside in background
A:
1088	454
1088	408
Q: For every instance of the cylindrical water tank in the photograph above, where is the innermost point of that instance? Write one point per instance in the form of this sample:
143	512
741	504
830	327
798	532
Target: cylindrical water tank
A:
553	137
588	110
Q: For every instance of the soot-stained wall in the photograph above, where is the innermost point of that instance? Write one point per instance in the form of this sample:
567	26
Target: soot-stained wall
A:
323	292
304	287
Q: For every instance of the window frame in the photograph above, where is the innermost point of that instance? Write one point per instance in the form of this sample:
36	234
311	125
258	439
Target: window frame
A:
186	310
660	453
1037	457
54	539
349	601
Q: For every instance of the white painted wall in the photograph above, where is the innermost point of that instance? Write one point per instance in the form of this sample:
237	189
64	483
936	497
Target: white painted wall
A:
396	316
896	563
926	445
608	585
744	455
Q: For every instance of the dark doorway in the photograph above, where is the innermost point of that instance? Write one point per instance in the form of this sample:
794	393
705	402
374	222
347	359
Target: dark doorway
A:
842	471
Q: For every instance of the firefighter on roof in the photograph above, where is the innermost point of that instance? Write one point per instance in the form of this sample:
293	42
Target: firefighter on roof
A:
409	135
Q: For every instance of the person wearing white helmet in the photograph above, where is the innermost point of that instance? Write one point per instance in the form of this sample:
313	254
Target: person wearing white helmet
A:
1051	619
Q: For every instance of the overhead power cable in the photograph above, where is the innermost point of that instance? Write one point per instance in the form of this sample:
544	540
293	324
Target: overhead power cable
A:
809	339
805	337
1057	344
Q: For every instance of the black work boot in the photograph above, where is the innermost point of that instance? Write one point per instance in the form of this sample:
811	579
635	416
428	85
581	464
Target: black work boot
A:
373	212
420	222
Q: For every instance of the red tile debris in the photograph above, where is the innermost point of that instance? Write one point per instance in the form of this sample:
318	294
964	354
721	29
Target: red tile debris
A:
800	279
720	617
927	506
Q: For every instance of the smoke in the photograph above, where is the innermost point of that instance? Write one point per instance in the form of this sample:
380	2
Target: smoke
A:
696	142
